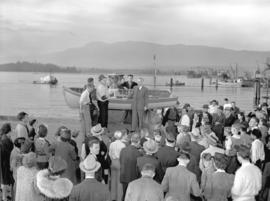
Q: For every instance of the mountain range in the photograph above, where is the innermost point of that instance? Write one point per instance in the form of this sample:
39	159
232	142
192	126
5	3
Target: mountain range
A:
140	55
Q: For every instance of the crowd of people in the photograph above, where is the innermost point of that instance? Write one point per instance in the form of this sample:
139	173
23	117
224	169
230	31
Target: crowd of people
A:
216	153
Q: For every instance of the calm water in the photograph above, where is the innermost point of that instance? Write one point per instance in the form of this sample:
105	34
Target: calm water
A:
17	93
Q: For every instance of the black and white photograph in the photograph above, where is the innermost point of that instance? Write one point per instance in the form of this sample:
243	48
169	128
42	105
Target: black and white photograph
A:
134	100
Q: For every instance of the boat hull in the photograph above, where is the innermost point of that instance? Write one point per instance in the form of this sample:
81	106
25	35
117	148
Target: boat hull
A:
72	98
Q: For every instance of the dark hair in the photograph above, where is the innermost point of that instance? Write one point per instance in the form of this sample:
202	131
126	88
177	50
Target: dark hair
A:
42	130
257	133
148	167
6	128
32	122
243	128
21	116
207	156
89	141
90	79
58	132
264	122
221	161
18	142
242	114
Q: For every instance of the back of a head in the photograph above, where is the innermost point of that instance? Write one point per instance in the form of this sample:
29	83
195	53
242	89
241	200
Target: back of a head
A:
21	115
221	161
183	155
244	152
257	133
148	169
42	130
5	129
118	135
135	138
57	165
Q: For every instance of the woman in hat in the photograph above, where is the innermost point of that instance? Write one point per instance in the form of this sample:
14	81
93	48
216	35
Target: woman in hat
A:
50	184
6	147
25	177
66	151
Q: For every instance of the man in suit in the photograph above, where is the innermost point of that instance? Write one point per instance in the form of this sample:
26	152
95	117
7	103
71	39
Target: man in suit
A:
90	189
150	147
139	104
145	188
128	162
179	182
167	155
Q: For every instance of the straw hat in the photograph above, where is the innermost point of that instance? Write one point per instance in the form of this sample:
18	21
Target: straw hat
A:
57	164
97	130
89	165
150	146
29	160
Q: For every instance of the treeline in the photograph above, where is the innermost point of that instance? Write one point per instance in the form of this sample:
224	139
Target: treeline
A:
25	66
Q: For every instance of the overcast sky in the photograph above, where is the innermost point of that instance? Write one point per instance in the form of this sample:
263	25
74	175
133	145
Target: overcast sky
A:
35	26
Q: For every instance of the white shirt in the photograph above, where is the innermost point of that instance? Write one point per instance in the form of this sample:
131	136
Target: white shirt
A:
247	182
115	149
185	121
257	151
84	99
102	90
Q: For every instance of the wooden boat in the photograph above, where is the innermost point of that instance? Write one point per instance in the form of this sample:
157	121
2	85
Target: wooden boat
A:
157	99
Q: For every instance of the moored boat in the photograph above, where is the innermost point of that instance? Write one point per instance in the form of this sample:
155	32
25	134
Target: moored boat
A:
157	99
49	79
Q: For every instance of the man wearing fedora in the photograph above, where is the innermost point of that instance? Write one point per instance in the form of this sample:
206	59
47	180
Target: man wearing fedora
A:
150	147
179	182
90	189
145	188
139	105
103	100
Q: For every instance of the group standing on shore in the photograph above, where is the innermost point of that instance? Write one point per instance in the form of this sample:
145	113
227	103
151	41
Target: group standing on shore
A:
217	153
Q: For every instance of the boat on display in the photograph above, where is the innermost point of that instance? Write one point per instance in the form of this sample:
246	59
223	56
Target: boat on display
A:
48	79
120	100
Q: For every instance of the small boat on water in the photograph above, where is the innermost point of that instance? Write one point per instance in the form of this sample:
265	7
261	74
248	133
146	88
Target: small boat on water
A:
176	83
48	79
157	99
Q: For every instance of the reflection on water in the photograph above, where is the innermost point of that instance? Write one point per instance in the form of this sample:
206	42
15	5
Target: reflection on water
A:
17	93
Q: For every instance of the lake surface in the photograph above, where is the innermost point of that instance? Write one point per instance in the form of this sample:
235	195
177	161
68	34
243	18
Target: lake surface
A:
17	93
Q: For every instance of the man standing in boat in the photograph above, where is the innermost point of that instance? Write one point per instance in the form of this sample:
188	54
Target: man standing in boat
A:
128	86
139	105
85	100
103	100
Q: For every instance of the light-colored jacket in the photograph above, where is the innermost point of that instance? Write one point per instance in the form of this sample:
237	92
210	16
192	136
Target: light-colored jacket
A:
143	189
179	182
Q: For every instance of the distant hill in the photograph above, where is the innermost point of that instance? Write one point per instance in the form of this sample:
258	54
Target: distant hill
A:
35	67
139	55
